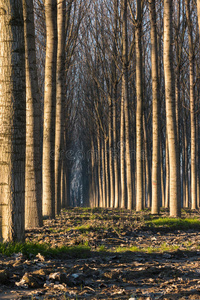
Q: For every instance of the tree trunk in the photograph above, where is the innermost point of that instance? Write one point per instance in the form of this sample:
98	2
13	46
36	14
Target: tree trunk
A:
156	167
192	111
186	167
60	99
48	172
99	171
103	175
139	112
110	152
116	170
107	202
122	164
147	169
198	12
167	175
175	208
33	173
162	178
12	121
126	106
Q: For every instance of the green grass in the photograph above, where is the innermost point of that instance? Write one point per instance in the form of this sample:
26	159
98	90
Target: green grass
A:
125	249
102	248
179	224
79	251
84	228
162	248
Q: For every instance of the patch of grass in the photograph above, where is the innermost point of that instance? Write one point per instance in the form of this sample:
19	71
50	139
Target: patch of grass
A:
125	249
79	251
84	228
102	248
162	248
178	223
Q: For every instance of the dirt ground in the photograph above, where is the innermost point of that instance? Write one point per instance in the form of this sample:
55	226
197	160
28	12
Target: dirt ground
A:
165	264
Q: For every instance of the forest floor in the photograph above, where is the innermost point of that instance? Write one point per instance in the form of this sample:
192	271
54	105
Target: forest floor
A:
113	254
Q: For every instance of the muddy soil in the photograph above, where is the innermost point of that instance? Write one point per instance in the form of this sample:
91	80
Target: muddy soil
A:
164	265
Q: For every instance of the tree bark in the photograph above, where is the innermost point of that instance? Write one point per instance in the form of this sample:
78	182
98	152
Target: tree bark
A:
116	174
33	174
139	112
175	208
192	111
48	172
156	167
12	121
60	100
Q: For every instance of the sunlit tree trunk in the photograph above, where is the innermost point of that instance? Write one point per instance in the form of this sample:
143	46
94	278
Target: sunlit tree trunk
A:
48	172
33	174
60	99
12	121
175	208
139	112
156	169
